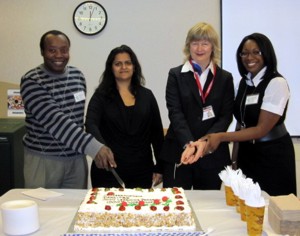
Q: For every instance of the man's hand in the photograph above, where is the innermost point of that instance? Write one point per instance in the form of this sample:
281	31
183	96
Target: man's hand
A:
105	158
156	179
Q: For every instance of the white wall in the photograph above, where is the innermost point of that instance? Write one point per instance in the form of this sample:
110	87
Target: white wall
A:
155	29
297	151
277	20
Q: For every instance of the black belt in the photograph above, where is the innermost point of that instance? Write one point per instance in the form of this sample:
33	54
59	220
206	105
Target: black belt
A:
275	133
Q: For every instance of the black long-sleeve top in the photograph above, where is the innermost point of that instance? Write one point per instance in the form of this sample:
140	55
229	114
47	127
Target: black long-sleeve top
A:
130	132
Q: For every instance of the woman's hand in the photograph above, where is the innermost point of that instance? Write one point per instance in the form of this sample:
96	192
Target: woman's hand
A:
193	152
213	141
204	146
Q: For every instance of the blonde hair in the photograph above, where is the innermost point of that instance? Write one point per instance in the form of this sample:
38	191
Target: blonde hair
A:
203	31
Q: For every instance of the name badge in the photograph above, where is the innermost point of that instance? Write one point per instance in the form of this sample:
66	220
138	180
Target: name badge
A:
252	99
79	96
208	113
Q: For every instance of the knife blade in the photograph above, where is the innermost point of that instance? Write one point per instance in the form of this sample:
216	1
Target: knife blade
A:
120	181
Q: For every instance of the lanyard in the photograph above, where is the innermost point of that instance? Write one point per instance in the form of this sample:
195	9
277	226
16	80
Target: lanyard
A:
204	95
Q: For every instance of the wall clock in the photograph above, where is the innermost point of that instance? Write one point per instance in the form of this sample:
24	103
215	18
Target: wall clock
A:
90	17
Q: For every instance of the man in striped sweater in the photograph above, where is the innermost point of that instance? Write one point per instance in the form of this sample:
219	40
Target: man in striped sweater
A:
55	144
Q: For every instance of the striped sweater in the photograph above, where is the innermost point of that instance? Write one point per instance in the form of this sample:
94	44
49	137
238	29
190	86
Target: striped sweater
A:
54	107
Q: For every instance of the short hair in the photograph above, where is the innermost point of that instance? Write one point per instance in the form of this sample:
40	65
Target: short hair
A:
108	82
267	52
54	32
203	31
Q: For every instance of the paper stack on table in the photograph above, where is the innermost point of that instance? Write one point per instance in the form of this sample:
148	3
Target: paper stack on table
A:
42	194
284	214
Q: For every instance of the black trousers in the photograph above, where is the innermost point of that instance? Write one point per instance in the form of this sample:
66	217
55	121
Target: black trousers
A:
191	177
271	164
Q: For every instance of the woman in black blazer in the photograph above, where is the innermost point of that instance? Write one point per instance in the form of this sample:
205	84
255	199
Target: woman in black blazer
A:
199	96
125	116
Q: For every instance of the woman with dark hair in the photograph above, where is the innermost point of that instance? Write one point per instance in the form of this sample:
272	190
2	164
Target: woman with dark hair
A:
125	116
266	151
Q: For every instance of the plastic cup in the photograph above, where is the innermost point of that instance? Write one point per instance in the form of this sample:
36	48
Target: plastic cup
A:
243	210
229	195
255	220
237	203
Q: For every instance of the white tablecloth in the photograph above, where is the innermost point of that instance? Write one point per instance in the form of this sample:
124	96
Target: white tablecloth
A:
56	214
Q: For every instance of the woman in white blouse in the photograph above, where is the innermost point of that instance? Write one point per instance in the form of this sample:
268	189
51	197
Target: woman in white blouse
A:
266	153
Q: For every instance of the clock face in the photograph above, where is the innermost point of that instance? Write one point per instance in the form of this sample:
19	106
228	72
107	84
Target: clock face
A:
90	17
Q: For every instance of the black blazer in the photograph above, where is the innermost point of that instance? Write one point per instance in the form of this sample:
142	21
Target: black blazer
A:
185	108
131	140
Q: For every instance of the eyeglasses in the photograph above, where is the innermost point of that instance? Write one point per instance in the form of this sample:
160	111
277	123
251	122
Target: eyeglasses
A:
255	53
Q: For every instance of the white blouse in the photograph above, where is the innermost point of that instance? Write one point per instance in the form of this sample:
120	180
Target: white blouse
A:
276	95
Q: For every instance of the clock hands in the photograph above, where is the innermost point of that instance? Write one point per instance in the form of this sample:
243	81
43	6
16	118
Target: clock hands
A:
91	13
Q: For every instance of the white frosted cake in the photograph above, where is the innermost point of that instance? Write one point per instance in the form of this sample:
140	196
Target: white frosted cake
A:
134	209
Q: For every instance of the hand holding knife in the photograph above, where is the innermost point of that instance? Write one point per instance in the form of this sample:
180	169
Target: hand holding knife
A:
114	172
192	152
105	158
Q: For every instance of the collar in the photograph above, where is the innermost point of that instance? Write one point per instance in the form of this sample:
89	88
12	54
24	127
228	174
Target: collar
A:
257	79
50	73
188	67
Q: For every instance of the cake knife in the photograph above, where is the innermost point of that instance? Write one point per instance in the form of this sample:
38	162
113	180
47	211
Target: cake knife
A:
120	181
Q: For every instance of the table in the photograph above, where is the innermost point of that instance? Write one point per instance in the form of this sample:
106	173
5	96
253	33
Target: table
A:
56	214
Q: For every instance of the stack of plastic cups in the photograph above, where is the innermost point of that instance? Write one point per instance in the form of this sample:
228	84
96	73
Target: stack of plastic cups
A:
230	198
246	196
255	208
235	188
244	187
225	176
233	180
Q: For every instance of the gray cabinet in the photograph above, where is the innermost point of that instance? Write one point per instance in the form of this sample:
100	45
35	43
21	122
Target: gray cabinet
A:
11	154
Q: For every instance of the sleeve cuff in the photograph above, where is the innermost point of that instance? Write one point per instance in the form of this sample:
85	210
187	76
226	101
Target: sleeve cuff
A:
184	147
93	148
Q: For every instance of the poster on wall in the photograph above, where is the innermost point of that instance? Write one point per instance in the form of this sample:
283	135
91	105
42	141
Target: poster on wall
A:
15	106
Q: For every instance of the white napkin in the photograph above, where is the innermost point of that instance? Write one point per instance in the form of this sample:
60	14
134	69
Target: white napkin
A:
229	174
244	187
236	178
225	175
42	194
254	197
